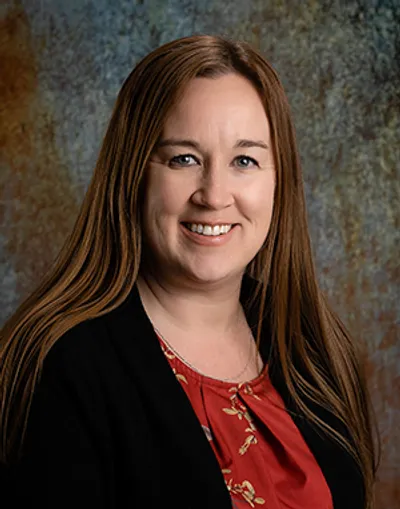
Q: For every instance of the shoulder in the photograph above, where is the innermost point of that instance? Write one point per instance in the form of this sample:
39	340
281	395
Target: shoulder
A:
95	347
81	381
82	346
83	358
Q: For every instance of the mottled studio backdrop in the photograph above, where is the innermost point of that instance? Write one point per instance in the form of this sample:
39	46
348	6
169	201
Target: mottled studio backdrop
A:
62	63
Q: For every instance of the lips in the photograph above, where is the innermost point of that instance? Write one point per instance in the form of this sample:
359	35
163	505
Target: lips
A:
210	234
208	229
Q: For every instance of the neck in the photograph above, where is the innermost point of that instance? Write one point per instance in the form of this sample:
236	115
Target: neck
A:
215	308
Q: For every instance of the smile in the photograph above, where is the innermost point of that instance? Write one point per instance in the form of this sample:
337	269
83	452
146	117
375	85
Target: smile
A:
209	230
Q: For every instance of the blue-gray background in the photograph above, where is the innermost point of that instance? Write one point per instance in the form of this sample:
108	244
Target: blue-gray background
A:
62	63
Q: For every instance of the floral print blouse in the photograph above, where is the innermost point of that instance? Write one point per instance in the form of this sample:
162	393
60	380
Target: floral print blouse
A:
264	459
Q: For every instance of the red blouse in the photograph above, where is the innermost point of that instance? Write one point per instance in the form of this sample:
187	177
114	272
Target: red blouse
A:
264	459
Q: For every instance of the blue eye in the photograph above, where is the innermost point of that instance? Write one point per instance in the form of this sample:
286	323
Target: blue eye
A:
246	162
183	160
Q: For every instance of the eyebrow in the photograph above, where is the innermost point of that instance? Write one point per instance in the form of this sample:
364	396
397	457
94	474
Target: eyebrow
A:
173	142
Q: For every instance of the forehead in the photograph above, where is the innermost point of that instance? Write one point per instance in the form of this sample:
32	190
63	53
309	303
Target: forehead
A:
228	105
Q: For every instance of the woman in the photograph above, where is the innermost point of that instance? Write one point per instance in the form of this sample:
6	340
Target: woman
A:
180	353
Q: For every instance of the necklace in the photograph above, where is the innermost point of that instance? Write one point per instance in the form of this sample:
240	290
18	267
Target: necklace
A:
188	364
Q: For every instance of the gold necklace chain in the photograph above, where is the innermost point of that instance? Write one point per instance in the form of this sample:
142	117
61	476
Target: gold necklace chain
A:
188	364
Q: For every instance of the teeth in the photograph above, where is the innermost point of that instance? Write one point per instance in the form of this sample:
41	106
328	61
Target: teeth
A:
208	230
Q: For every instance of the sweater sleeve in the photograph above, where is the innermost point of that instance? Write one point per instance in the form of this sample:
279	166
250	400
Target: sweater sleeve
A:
66	461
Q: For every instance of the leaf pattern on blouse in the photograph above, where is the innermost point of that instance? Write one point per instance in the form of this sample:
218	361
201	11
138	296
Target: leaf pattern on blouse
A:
170	355
238	409
207	431
232	400
244	490
180	377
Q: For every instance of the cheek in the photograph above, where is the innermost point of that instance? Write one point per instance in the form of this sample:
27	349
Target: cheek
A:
165	199
259	202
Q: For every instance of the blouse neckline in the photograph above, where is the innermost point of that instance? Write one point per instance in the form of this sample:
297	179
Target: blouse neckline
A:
254	383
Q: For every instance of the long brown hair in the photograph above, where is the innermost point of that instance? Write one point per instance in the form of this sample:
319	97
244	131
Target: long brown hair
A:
100	261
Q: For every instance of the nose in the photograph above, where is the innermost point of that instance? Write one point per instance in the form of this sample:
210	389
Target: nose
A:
214	190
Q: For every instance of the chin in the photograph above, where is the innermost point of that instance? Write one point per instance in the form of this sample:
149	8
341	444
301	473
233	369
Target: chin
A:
213	275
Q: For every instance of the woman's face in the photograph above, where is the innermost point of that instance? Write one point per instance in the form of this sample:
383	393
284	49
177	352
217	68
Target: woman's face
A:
210	183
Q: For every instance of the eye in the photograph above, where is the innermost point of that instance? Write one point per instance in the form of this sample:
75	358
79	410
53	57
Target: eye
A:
183	160
246	162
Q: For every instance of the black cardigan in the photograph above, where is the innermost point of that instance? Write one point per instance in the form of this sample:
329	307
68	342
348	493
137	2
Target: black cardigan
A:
110	428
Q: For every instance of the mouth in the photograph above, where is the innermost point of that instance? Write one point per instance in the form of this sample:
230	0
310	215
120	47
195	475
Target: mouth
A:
209	230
